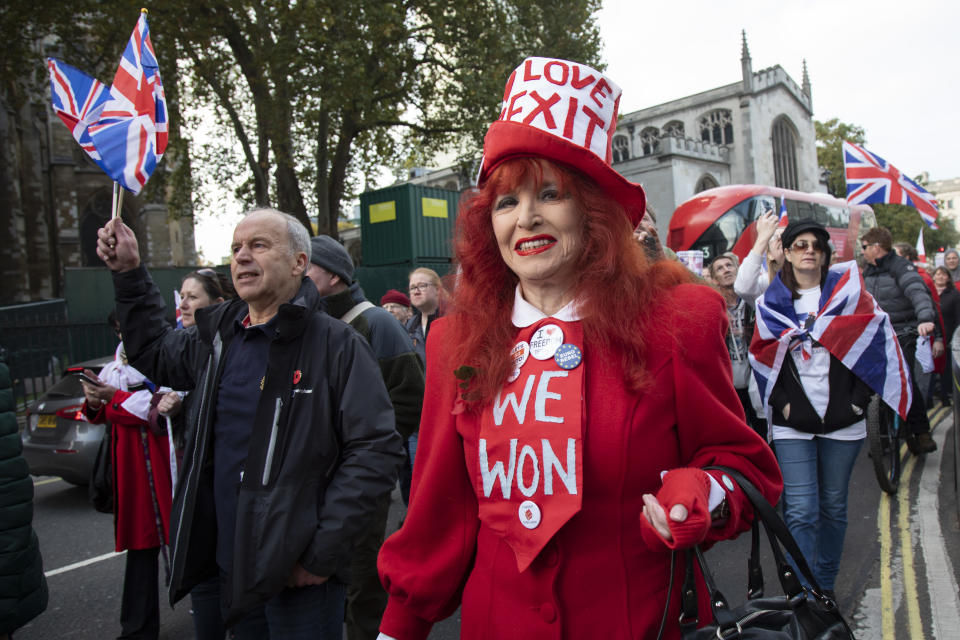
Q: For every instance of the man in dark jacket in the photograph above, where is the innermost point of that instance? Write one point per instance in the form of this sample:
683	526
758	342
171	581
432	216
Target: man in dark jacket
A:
23	589
332	270
899	290
291	441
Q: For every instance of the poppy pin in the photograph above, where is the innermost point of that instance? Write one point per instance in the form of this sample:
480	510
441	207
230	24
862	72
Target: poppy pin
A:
296	376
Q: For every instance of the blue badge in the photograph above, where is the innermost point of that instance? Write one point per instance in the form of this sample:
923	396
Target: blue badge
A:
568	356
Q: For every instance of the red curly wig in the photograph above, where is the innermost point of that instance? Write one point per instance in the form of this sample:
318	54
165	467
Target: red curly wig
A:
615	284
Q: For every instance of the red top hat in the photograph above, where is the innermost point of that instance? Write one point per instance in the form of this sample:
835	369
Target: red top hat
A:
565	112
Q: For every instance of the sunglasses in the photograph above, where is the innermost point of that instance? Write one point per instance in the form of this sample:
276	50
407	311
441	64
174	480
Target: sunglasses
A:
803	245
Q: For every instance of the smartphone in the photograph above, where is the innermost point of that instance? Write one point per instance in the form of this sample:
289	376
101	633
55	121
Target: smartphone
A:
97	382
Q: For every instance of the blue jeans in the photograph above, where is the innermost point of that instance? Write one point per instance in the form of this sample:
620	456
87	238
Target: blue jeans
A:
816	476
301	613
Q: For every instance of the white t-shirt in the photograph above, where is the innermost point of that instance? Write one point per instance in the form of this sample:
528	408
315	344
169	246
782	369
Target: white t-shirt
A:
814	369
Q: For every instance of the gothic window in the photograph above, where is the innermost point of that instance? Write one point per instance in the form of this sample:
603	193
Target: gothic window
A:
650	141
717	127
674	128
705	182
621	148
785	153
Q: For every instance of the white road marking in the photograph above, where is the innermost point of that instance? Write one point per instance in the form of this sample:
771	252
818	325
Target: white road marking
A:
941	583
83	563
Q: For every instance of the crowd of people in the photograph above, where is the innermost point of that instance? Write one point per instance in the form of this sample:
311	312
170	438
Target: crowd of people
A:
553	420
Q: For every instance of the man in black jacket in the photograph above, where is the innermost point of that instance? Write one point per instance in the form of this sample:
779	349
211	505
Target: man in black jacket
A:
331	270
291	442
899	290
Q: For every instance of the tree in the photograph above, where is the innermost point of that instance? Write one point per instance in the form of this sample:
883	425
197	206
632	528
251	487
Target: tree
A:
316	93
830	137
903	222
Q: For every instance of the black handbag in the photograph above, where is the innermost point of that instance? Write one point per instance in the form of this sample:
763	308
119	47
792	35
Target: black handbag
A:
800	614
100	489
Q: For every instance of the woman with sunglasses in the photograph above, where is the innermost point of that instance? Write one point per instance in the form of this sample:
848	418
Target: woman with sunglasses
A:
821	344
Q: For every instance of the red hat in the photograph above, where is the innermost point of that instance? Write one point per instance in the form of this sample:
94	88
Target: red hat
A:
396	297
565	112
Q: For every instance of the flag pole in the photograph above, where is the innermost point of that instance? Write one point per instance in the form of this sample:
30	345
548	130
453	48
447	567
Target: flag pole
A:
117	200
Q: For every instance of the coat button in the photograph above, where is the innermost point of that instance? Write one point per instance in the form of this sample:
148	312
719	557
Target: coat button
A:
548	612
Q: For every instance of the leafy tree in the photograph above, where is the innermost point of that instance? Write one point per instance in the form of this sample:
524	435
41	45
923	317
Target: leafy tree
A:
316	94
903	222
830	137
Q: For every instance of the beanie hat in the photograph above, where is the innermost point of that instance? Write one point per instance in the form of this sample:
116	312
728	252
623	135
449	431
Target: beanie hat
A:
565	112
332	256
794	229
396	297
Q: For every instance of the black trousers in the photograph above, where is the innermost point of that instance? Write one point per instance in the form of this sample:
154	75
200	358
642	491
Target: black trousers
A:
366	598
140	604
917	421
757	423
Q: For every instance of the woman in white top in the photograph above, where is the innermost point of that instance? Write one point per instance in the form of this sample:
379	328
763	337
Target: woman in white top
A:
816	405
752	278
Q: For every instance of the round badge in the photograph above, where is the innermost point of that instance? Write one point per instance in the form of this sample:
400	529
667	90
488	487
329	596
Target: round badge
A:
568	356
727	482
513	375
529	514
545	341
519	354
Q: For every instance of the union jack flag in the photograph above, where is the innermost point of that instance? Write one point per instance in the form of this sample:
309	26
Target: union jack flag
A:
873	180
849	324
178	314
784	219
124	130
78	100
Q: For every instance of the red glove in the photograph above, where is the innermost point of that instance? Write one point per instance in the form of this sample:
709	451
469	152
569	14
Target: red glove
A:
688	487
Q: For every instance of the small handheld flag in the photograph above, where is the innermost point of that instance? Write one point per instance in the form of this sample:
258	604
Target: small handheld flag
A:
784	219
178	313
873	180
921	252
124	130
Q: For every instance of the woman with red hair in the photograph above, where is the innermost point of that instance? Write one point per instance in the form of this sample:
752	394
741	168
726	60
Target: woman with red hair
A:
574	395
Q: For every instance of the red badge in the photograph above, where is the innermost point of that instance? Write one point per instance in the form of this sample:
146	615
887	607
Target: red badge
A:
296	376
529	473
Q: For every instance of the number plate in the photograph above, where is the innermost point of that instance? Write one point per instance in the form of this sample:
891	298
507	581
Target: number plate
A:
47	422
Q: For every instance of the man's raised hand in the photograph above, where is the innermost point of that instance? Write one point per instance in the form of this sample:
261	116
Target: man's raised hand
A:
117	246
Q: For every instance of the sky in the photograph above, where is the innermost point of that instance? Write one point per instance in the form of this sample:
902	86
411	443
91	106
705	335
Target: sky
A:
889	67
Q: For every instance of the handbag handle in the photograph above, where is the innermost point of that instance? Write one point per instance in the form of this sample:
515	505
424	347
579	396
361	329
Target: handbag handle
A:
777	532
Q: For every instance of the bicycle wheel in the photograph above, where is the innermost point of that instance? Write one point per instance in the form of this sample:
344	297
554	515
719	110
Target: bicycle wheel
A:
883	438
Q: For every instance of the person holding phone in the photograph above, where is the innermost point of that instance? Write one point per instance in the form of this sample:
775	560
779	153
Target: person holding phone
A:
121	397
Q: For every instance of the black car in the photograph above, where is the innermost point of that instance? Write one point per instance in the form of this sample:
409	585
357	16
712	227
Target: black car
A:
58	440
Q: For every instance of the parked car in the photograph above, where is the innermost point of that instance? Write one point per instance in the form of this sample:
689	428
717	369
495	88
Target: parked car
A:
58	440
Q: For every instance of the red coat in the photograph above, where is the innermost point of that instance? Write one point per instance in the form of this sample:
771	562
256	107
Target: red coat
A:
596	578
135	525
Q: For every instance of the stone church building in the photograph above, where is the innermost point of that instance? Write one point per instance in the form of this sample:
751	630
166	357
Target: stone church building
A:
755	131
53	198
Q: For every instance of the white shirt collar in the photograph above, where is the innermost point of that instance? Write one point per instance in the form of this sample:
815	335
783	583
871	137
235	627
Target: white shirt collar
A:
525	314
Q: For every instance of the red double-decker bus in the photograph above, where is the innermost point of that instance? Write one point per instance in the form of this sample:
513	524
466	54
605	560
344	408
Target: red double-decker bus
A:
724	219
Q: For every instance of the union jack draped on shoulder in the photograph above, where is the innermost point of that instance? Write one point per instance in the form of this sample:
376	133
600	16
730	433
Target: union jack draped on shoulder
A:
849	324
873	180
